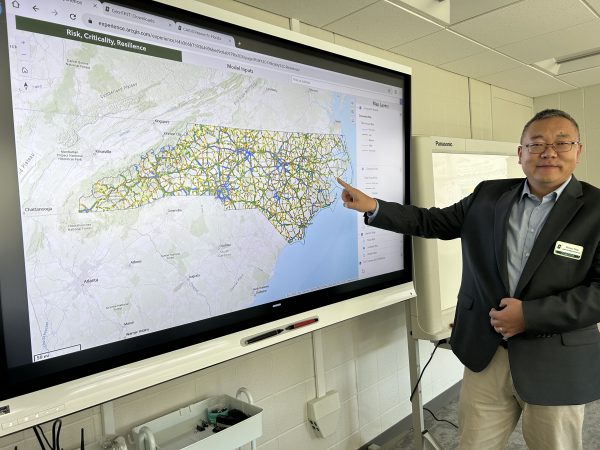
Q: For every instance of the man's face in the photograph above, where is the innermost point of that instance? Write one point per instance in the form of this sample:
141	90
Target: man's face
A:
548	170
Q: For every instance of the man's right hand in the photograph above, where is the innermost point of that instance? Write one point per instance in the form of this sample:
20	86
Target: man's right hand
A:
355	199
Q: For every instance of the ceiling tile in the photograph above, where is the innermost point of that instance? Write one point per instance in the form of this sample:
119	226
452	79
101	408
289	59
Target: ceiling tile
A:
524	20
582	78
383	25
465	9
312	12
527	81
522	31
558	43
438	48
481	64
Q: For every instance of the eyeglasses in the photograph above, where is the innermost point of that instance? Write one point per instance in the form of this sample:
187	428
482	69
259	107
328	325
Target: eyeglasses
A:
559	147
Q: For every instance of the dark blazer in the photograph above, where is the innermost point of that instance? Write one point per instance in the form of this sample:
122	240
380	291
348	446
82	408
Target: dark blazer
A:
556	361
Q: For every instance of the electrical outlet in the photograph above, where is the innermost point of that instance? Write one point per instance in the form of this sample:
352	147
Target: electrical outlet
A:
323	413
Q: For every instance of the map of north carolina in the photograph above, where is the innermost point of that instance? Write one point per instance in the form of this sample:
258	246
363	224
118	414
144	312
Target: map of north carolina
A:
288	176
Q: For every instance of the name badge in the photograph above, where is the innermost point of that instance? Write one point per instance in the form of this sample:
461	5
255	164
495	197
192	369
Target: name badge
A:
568	250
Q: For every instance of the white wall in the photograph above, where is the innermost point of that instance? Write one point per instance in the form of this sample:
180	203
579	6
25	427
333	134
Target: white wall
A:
366	361
366	358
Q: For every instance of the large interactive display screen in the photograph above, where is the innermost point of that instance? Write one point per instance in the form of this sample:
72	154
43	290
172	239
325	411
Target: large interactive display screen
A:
167	178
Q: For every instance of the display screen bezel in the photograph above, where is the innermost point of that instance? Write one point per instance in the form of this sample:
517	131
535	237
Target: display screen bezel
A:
25	376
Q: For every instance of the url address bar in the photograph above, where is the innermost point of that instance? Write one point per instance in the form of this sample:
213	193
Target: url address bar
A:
149	35
175	40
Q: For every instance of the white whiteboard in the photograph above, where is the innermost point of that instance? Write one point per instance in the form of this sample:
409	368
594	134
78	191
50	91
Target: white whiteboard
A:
444	170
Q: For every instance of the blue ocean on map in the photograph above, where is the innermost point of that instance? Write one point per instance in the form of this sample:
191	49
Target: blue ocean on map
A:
328	255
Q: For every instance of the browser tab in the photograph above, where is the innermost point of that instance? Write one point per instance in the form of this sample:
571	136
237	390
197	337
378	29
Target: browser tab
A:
80	3
137	16
205	34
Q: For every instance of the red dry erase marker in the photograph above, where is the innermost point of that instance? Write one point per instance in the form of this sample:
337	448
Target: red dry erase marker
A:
302	324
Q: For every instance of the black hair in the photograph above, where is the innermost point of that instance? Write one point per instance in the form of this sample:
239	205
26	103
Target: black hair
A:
547	114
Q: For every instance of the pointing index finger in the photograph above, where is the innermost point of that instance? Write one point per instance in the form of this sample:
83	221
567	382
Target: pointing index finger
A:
343	183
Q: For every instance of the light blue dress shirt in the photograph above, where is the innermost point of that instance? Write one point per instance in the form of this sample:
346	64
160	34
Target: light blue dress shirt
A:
527	217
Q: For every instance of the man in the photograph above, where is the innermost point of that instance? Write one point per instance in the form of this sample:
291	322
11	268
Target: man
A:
529	302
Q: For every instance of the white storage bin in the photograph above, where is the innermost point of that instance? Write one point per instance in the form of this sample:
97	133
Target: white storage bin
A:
177	430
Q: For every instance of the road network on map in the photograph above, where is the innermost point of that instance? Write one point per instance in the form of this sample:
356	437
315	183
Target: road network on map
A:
286	175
